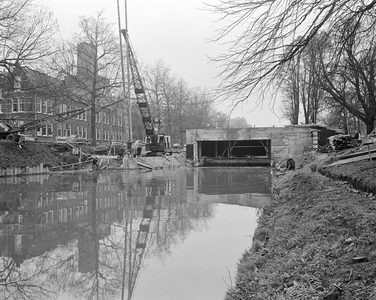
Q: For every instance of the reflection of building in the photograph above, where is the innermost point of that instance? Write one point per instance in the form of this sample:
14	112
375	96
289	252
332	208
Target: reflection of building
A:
53	210
27	96
45	208
233	186
79	221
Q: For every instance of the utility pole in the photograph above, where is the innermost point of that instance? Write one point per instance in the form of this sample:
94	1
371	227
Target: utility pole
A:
122	62
128	74
126	90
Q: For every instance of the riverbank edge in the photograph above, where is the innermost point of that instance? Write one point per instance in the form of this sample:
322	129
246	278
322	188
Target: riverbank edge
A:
316	239
37	158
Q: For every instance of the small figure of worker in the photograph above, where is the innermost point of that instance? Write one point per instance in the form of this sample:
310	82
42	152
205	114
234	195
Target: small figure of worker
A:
290	165
139	149
121	153
95	162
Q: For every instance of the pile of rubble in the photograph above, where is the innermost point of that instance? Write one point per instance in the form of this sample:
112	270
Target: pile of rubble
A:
343	141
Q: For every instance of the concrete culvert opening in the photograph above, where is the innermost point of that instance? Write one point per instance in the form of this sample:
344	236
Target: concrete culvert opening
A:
236	152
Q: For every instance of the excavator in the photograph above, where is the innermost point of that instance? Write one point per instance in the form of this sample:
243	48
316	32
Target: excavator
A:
14	133
155	141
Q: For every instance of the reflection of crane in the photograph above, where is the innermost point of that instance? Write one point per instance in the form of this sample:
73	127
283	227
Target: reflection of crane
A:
137	251
11	133
155	140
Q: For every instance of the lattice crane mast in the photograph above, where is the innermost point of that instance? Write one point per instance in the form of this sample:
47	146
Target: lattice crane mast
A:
156	141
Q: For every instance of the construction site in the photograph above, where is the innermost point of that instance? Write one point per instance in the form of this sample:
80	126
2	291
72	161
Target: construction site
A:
86	199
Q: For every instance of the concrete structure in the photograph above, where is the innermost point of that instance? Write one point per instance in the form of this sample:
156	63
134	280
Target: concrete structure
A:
249	146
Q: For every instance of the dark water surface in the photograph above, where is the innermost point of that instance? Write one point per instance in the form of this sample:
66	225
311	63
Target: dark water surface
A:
167	234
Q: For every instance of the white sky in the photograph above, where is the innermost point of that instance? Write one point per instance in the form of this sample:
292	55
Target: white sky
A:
176	31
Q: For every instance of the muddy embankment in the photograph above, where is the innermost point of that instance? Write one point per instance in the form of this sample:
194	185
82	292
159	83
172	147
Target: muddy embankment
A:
13	155
316	239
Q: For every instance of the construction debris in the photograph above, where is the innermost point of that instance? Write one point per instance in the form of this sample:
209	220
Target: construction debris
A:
342	141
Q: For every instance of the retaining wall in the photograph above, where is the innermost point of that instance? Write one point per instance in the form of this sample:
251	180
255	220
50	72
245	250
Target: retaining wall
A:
23	171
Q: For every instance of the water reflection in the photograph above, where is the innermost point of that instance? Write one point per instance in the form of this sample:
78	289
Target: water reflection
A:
86	236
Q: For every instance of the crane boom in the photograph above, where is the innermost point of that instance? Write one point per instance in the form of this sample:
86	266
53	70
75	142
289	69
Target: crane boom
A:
155	140
11	133
139	89
59	117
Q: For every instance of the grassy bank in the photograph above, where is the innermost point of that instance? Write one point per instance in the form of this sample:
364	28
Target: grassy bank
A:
316	240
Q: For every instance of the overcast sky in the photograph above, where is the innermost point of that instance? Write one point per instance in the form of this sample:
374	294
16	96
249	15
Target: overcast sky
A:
176	31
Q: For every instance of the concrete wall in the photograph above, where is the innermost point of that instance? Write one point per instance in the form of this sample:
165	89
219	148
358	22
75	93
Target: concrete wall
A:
23	171
288	141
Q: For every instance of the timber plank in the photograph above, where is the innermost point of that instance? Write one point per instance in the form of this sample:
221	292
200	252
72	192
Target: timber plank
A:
351	159
355	154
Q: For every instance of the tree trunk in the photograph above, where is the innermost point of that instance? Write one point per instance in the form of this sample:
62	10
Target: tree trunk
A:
92	127
370	124
345	121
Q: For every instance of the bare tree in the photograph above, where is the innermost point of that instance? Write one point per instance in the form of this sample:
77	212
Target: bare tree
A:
176	105
89	64
290	89
161	91
201	112
301	86
265	36
220	120
182	98
27	35
336	117
349	78
238	122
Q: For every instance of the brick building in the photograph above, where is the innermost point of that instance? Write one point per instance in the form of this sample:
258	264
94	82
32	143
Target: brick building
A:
27	96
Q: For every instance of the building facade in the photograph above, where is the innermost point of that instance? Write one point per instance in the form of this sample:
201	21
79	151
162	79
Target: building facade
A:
27	96
21	107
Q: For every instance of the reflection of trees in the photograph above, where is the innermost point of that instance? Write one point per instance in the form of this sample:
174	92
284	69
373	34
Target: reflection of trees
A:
173	222
86	259
99	271
17	284
77	261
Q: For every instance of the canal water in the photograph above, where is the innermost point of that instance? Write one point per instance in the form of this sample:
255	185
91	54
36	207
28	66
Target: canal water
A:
165	234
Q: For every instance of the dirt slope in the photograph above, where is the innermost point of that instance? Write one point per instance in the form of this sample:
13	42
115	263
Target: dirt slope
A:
32	154
28	155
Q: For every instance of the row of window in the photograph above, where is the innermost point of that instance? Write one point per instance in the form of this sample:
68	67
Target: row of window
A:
107	118
65	214
45	130
18	105
24	105
63	108
62	130
65	130
108	135
45	106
